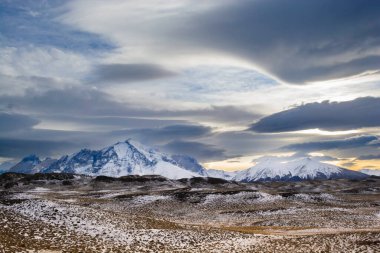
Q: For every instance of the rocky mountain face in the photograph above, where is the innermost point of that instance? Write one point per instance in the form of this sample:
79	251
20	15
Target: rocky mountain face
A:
128	158
5	166
31	164
26	165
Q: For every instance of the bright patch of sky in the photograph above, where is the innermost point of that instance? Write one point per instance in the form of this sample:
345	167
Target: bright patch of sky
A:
34	23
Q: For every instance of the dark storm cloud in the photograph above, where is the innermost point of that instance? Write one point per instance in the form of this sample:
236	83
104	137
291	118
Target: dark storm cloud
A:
129	72
297	41
358	113
16	148
354	142
12	122
45	142
227	113
201	151
96	106
248	143
166	133
116	122
104	121
369	157
71	101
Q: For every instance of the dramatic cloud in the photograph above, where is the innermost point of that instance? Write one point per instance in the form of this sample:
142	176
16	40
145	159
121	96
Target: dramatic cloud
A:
123	73
164	134
293	157
228	113
348	164
33	22
19	148
190	76
72	101
348	143
87	102
369	157
358	113
298	42
13	122
201	151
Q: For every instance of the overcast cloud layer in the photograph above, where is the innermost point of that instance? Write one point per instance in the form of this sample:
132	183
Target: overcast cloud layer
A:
225	81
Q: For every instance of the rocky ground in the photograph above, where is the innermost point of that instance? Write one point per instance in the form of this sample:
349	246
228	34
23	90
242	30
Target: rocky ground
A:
72	213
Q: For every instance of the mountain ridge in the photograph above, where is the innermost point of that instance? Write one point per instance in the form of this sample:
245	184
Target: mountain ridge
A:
132	158
305	168
121	159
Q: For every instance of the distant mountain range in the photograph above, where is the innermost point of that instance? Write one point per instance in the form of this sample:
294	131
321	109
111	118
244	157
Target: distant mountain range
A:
6	166
371	172
31	164
132	158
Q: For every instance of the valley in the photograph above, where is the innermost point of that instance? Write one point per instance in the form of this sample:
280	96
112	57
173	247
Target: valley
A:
78	213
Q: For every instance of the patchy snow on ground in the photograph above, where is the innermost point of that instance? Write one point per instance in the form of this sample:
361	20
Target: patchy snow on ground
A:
242	197
39	190
146	199
314	197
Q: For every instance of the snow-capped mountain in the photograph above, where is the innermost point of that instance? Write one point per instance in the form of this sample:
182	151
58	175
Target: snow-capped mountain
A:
5	166
43	165
26	165
31	164
228	175
299	169
190	164
371	172
128	158
132	158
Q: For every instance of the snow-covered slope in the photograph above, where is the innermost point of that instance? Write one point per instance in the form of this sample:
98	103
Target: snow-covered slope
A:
371	172
132	158
299	169
31	164
228	175
190	164
127	158
5	166
43	165
26	165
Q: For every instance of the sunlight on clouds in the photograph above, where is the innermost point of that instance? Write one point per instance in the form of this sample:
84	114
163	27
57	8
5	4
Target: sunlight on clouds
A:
43	61
63	126
366	77
243	162
40	68
365	164
232	164
225	73
317	131
354	164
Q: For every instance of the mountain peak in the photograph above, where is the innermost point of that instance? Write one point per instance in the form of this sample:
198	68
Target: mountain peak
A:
294	170
126	158
31	158
26	165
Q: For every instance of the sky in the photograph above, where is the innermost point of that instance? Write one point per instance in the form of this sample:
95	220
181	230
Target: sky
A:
227	82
